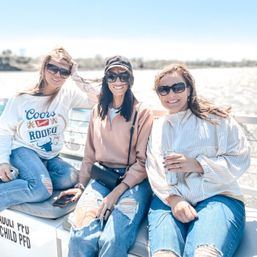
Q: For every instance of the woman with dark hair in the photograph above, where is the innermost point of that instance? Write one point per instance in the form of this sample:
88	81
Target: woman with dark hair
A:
32	133
106	221
195	155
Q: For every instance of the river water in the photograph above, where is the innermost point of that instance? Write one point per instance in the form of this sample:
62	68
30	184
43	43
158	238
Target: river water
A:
235	87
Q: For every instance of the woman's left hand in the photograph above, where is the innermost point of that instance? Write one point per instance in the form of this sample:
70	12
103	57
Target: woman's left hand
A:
107	205
105	209
181	209
178	162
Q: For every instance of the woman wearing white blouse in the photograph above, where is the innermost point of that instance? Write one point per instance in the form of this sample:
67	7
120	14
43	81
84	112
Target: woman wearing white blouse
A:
195	155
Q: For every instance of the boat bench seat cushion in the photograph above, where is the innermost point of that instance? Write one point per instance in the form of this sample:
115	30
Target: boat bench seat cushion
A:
44	209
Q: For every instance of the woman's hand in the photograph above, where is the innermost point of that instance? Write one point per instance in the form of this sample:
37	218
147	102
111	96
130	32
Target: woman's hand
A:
107	205
74	67
181	209
110	200
178	162
77	192
5	172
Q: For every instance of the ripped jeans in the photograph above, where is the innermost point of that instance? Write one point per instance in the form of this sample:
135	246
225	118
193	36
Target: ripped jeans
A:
117	235
37	178
219	226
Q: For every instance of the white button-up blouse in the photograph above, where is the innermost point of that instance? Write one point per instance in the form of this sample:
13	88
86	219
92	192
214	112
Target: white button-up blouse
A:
221	149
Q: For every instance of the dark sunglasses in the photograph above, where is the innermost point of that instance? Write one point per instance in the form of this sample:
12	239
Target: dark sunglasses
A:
53	69
176	89
112	77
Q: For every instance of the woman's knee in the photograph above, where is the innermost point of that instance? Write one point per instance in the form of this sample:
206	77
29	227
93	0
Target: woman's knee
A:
86	209
42	189
65	179
128	207
83	218
164	253
207	250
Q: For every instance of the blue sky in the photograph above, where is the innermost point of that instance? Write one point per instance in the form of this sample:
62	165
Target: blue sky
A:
185	30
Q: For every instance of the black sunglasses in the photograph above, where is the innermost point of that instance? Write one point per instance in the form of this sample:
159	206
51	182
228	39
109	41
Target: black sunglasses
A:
112	77
176	88
53	69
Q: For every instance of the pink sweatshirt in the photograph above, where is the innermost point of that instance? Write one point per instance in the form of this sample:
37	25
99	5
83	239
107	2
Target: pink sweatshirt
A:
108	142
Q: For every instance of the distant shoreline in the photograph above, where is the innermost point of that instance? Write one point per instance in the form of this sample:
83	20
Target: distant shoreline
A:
11	62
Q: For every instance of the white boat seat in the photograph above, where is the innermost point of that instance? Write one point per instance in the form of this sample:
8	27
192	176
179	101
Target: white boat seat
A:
44	209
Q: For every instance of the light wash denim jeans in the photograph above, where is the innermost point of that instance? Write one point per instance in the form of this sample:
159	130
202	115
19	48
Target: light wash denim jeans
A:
117	235
37	178
220	224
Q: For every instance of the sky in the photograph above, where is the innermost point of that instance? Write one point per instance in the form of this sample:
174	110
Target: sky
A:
148	29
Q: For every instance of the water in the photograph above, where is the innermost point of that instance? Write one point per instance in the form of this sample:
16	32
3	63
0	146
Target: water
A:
235	87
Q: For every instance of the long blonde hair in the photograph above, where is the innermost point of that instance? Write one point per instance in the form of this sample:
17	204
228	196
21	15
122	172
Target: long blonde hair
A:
199	106
59	54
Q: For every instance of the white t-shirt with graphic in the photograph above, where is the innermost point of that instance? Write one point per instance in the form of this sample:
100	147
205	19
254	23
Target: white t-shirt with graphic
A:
28	121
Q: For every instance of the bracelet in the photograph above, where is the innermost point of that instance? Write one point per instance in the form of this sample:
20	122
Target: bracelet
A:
121	191
125	184
80	186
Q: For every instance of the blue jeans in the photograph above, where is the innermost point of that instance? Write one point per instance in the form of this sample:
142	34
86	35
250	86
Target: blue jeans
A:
117	235
220	224
37	178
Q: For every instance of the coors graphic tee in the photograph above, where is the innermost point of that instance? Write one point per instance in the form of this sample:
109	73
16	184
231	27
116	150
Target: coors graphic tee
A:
31	122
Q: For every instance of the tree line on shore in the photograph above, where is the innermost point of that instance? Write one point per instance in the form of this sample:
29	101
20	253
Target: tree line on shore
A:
12	62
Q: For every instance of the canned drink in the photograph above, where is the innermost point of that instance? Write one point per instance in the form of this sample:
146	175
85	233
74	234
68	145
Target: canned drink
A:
14	173
171	176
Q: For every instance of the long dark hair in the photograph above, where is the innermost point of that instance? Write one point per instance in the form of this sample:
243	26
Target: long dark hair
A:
106	98
199	106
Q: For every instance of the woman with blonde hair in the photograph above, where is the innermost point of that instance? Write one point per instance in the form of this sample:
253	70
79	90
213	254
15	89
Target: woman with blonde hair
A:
195	155
32	133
